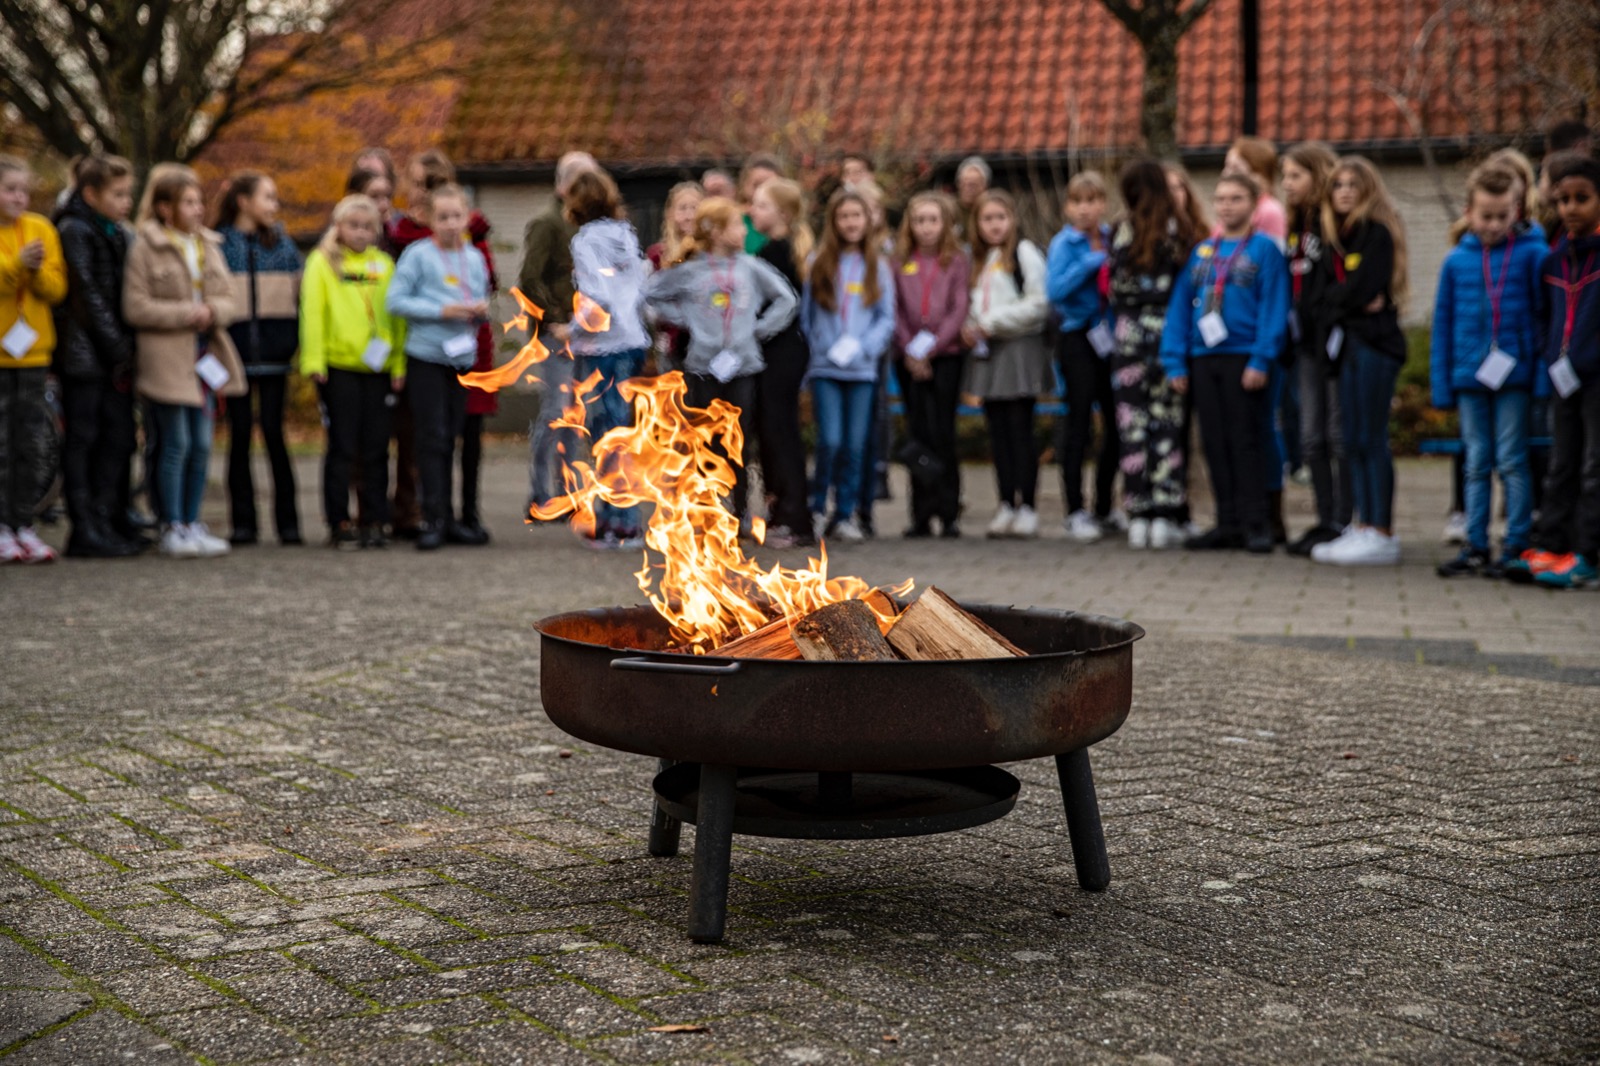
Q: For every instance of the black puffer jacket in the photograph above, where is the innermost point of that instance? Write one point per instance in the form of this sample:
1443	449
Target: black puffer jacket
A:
92	340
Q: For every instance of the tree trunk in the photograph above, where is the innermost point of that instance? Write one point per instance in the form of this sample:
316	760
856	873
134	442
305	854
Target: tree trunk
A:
1158	113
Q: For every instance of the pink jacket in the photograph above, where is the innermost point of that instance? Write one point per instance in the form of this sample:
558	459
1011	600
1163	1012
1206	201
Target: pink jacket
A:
920	282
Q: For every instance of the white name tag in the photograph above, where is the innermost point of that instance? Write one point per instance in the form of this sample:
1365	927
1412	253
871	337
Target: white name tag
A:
1213	331
1102	340
725	365
1564	378
921	346
1495	368
844	351
212	372
461	344
19	340
376	355
1335	342
981	349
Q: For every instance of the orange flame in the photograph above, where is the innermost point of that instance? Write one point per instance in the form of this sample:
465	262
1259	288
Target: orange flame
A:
588	315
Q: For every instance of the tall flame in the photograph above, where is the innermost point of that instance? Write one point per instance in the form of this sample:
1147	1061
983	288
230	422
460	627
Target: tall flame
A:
703	584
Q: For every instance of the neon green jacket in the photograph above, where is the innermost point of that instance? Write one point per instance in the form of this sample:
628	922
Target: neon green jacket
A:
342	310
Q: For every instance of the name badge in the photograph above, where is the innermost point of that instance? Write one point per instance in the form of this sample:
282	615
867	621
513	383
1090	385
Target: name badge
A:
18	341
844	351
725	366
921	346
461	344
212	371
1564	378
1102	340
376	354
1213	331
1495	368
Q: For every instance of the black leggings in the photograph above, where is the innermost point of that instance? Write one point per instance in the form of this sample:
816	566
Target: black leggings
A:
1230	428
269	390
471	464
359	417
741	392
438	410
1016	464
1088	379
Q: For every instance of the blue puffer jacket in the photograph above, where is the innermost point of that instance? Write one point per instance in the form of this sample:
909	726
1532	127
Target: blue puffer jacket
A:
1462	318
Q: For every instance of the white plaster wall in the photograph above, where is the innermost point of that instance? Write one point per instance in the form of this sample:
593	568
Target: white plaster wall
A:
509	208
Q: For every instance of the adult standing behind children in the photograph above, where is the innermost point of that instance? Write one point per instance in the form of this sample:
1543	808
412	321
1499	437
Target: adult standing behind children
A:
266	268
932	279
546	278
179	295
94	360
1359	315
33	278
1079	287
1485	362
441	289
608	337
1010	363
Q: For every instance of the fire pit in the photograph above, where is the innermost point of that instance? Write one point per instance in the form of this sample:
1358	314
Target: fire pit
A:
841	750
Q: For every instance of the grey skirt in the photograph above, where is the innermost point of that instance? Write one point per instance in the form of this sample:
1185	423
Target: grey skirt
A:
1017	367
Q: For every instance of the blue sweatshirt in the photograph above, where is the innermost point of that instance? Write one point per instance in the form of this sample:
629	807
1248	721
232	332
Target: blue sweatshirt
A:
1255	304
426	279
1463	318
1072	279
871	324
1565	265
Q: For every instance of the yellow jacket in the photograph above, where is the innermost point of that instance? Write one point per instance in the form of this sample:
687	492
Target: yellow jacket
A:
29	294
342	308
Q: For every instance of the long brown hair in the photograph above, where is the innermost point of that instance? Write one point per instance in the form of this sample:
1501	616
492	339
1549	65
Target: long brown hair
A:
715	214
1192	218
1373	204
1317	159
1152	215
824	272
949	243
593	195
1008	249
165	187
1261	157
243	184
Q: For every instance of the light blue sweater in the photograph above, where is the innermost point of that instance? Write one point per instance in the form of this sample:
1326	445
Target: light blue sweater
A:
871	324
421	289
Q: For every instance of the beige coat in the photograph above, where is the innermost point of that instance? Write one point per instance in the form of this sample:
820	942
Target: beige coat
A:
157	294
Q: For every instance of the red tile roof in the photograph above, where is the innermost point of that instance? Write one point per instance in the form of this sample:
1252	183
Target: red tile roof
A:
676	81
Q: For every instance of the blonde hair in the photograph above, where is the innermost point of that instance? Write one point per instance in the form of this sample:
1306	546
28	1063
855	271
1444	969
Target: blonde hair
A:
348	207
1522	167
165	188
673	240
1490	178
949	243
715	214
1087	185
445	192
790	200
1373	204
10	164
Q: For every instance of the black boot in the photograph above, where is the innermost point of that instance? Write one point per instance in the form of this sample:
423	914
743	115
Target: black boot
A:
430	536
1280	534
93	538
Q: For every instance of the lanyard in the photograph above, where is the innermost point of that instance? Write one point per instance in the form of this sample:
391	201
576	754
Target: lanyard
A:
724	285
844	304
1221	268
926	264
1496	290
188	243
1296	270
1573	290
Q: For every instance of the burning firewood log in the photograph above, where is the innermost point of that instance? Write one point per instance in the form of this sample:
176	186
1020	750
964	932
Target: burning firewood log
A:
936	627
773	641
847	630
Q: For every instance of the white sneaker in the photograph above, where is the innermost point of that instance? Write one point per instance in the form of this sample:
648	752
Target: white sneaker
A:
1082	527
208	544
176	542
1190	528
1165	534
1370	549
849	532
1026	525
1115	522
10	550
33	549
1325	553
1004	519
1139	534
1455	528
819	524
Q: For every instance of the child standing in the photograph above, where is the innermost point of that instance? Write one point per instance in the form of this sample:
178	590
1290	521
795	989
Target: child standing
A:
1306	170
441	288
729	303
33	278
1566	540
847	314
677	223
609	270
932	277
1224	332
354	352
1257	157
179	295
1011	361
1485	362
94	360
779	210
1079	285
266	270
1358	315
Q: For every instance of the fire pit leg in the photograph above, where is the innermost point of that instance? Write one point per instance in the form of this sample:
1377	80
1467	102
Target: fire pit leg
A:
1083	820
664	828
713	847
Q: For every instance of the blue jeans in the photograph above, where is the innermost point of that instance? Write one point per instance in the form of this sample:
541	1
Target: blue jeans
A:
1494	428
185	452
1366	392
607	411
844	420
546	446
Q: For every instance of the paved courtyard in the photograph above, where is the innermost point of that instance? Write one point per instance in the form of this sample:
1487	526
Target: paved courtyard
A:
298	806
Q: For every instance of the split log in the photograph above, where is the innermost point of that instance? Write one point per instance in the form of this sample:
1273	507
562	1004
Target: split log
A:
844	631
884	606
771	641
936	627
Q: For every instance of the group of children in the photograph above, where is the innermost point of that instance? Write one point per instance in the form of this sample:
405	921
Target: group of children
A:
1160	319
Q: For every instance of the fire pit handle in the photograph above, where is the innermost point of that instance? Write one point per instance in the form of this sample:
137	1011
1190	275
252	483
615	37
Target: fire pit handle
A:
652	666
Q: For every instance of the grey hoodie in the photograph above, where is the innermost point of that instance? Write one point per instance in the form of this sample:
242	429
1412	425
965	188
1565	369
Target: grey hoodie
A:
725	304
609	269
